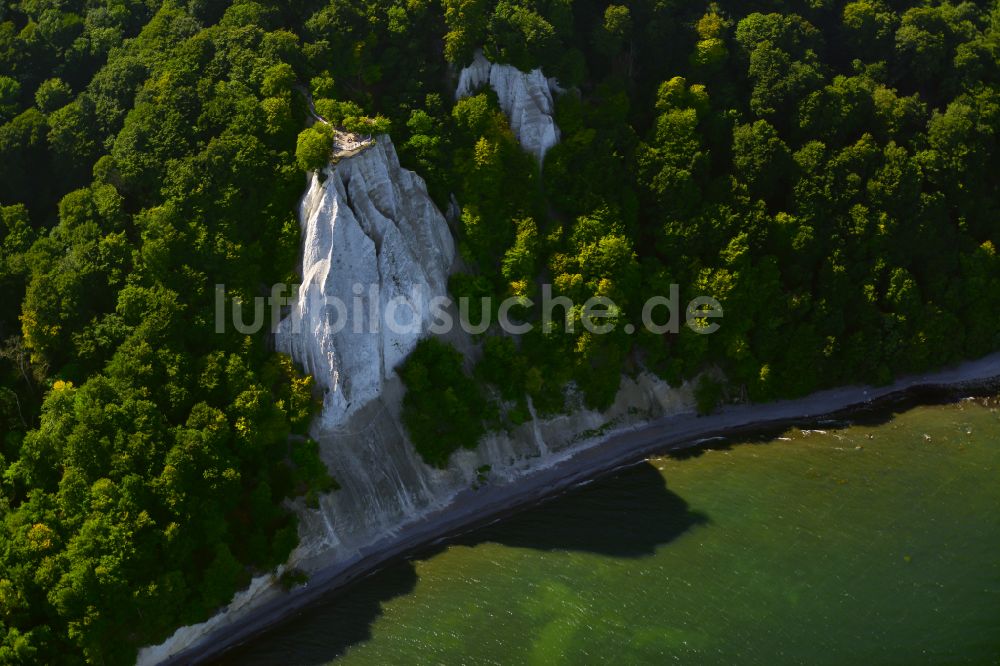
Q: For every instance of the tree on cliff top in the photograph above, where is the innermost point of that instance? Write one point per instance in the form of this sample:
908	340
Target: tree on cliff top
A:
314	146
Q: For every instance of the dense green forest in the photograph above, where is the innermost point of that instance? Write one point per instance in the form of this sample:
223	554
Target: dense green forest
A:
826	170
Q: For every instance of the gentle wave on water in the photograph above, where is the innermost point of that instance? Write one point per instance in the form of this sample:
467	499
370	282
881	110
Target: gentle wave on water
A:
865	544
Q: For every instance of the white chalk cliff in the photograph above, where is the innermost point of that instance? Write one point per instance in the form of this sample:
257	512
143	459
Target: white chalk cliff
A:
525	98
373	242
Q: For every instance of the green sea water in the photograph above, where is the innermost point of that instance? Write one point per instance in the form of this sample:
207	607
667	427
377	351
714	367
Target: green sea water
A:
866	544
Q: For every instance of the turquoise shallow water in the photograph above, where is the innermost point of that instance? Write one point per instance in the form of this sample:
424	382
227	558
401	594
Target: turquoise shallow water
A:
868	544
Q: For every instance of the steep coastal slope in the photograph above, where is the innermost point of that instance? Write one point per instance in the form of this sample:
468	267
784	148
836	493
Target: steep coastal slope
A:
371	223
525	98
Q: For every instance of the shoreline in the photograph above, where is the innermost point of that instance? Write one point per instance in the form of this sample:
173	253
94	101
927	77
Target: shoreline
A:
472	508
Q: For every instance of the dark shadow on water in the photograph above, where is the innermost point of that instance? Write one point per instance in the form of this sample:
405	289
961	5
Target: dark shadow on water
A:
628	514
325	630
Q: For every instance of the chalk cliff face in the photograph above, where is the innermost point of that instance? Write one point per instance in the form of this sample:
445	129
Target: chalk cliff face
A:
525	98
374	244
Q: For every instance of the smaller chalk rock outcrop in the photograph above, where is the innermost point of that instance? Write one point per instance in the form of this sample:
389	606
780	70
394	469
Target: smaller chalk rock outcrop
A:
375	248
525	98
